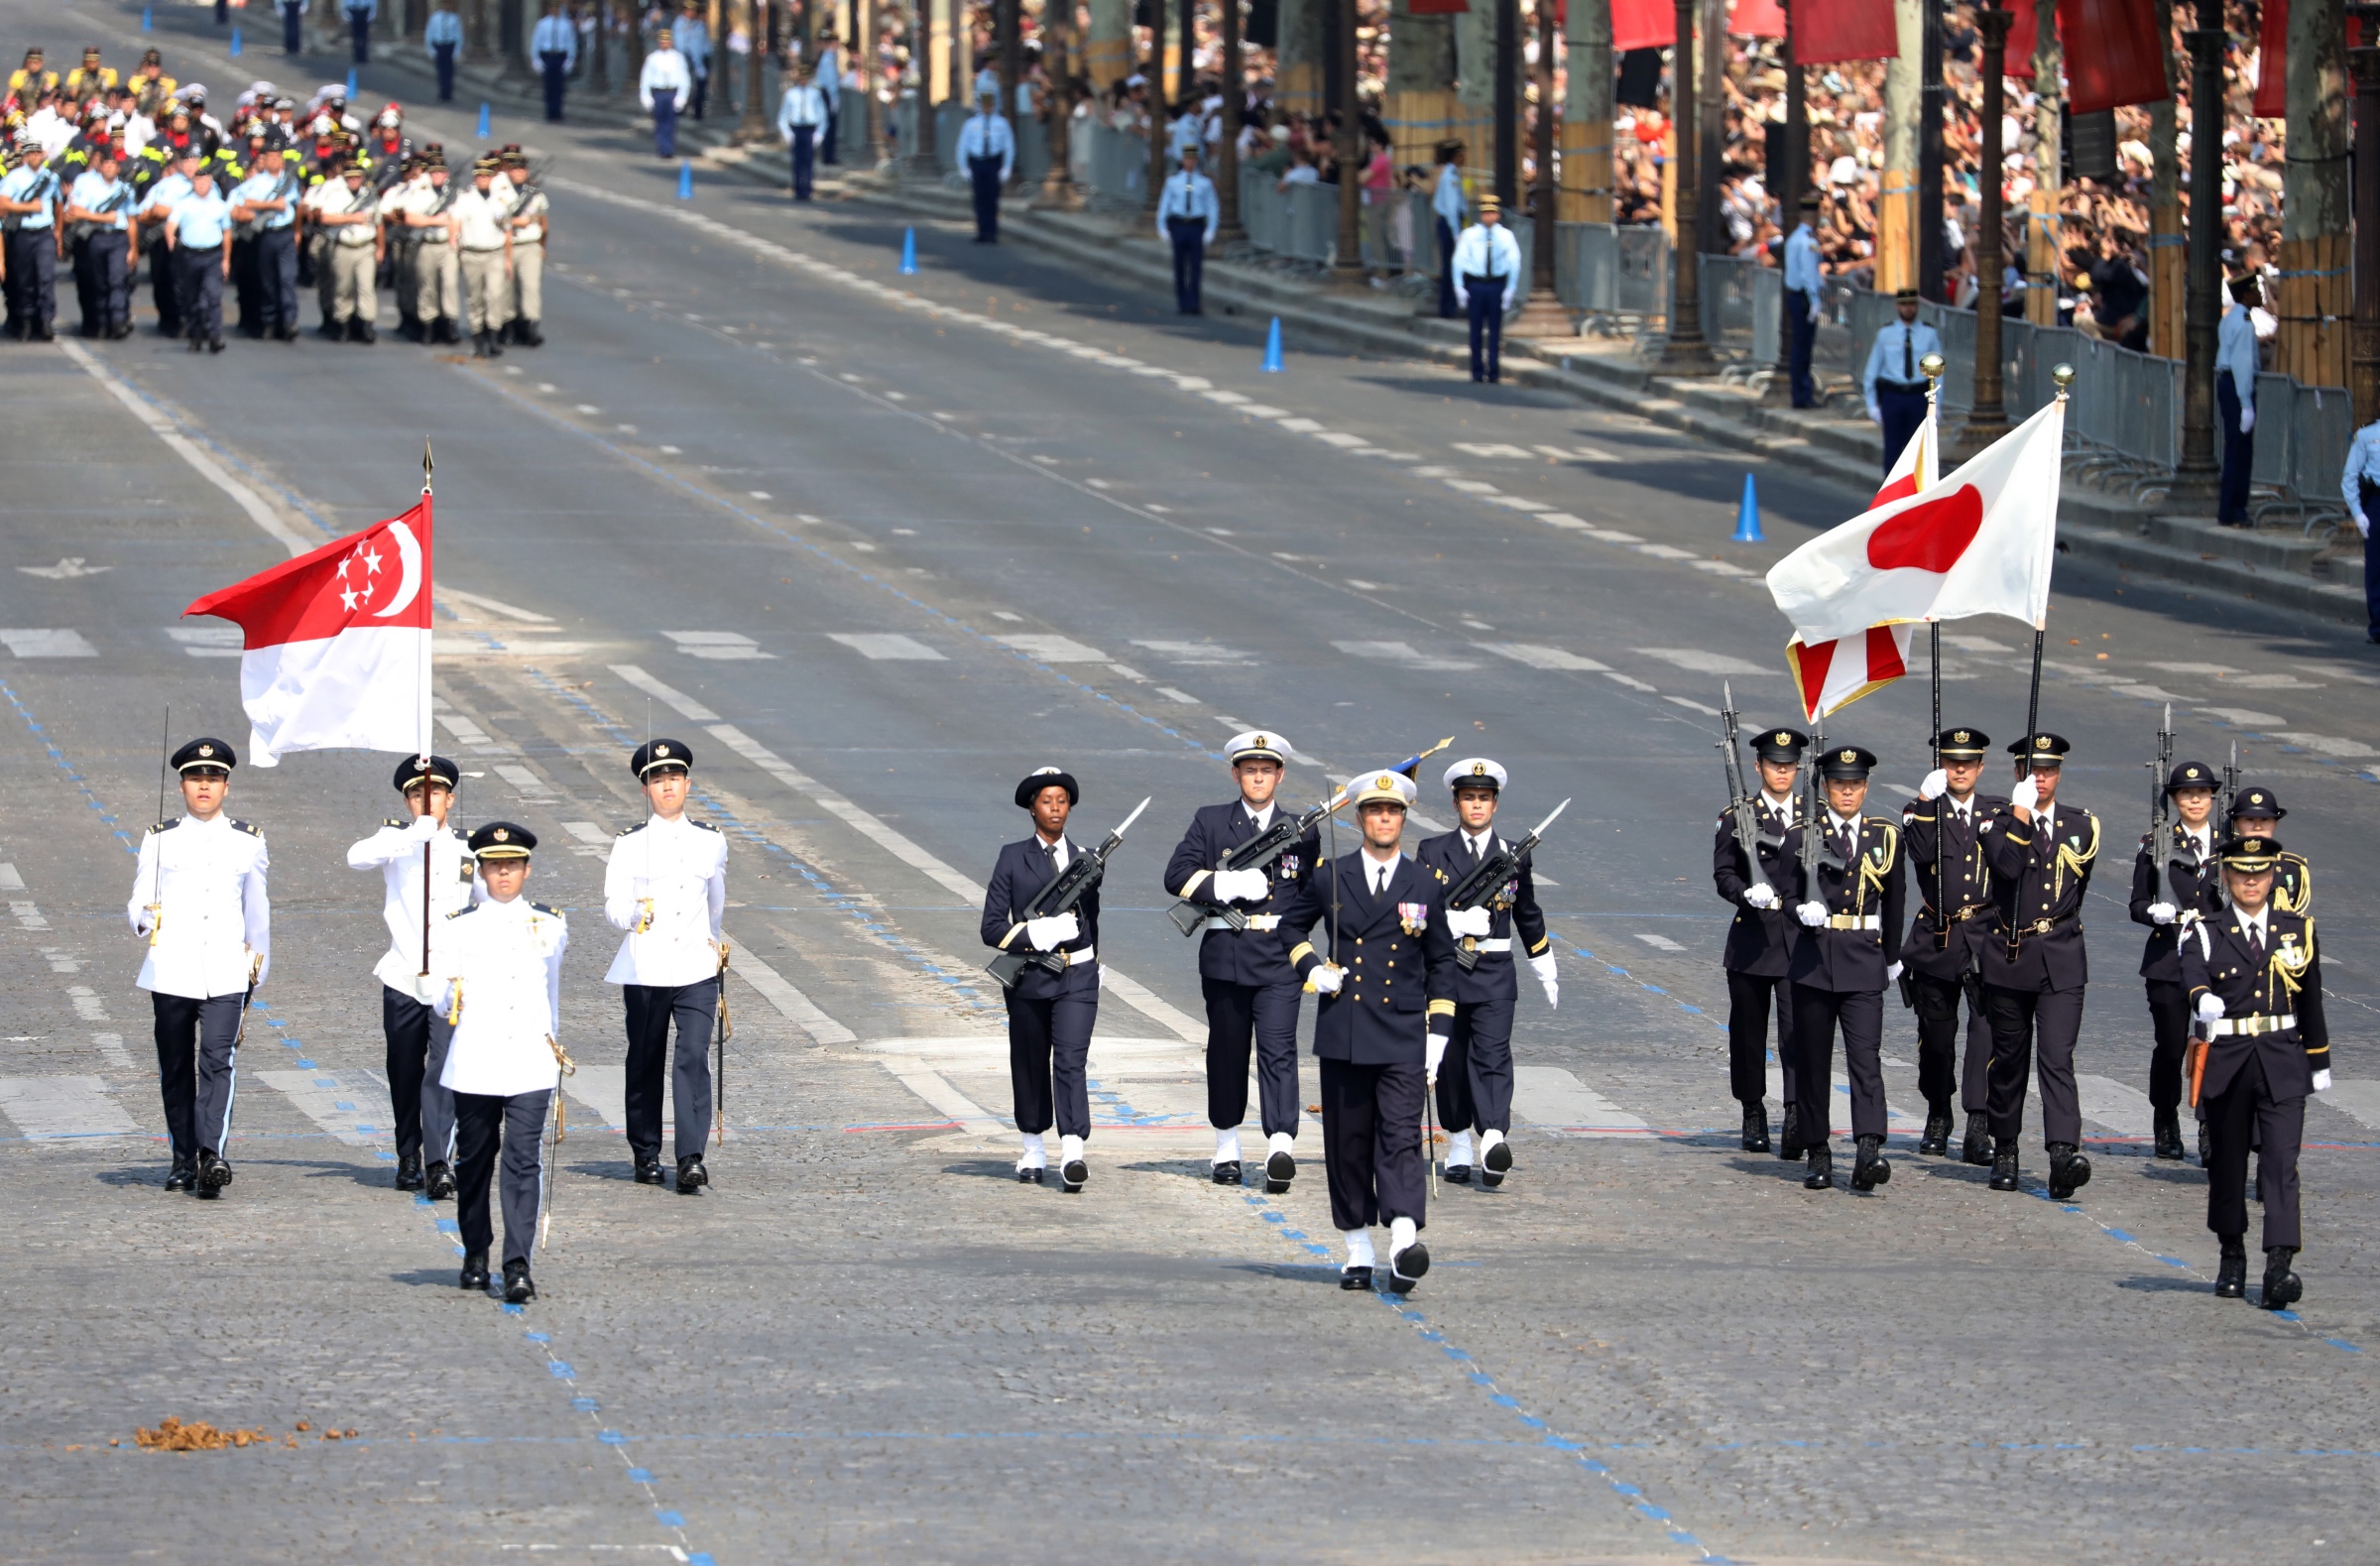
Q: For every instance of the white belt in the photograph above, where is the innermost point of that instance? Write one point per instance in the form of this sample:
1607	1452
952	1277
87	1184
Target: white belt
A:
1255	921
1855	921
1074	959
1490	943
2228	1026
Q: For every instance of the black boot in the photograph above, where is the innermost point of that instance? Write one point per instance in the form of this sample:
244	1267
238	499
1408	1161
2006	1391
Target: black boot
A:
2231	1275
2169	1133
1937	1139
2281	1287
495	346
1976	1150
475	1271
648	1168
408	1172
1756	1127
366	331
1871	1168
449	332
2070	1171
440	1182
1789	1145
527	335
184	1176
518	1289
479	345
2003	1164
1822	1170
214	1174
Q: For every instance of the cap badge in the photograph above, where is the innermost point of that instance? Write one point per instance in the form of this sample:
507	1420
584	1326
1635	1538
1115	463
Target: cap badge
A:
2040	742
501	835
660	750
206	750
1262	744
1383	781
1478	769
1849	756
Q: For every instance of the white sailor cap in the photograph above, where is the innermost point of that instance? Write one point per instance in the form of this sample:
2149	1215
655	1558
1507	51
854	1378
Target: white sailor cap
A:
1257	744
1477	771
1396	788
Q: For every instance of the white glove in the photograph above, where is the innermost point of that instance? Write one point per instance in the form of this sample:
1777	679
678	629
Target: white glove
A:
1543	968
1051	933
423	826
2322	1080
1325	979
2161	913
429	988
1812	914
1242	886
2363	524
1762	896
2247	420
2210	1008
2026	795
1936	781
1430	1053
1892	973
1815	312
1875	414
1470	921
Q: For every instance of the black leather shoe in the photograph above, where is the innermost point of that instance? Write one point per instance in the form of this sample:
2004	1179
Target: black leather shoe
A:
2070	1171
215	345
214	1173
1976	1149
440	1182
2231	1274
1789	1145
1073	1174
1406	1267
648	1168
1756	1127
1457	1174
1822	1170
1228	1172
529	337
2169	1133
367	332
1935	1142
1355	1278
1495	1165
691	1176
184	1176
408	1172
479	345
2281	1287
518	1289
1280	1169
2003	1164
1026	1177
1871	1169
475	1271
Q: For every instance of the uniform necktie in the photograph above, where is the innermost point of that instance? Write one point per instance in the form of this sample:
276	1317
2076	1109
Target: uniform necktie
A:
2255	945
1847	844
1907	368
1379	885
1475	850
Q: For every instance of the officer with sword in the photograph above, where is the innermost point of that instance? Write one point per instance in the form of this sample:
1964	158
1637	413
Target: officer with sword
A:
1491	904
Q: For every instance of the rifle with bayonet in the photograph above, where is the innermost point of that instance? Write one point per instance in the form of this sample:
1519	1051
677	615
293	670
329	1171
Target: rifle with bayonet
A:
2222	805
1740	797
1817	844
1064	890
1258	852
1486	882
2161	809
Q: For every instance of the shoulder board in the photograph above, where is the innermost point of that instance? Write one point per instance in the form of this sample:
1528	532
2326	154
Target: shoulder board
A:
703	825
459	912
549	913
165	826
392	821
252	831
624	831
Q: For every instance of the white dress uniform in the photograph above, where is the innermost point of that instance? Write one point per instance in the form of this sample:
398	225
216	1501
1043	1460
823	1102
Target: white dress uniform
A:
666	887
198	891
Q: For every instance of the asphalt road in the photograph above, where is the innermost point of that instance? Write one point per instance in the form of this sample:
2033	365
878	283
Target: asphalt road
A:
874	547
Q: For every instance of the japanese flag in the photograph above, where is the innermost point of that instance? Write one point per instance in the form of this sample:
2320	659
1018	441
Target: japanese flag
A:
1837	672
337	644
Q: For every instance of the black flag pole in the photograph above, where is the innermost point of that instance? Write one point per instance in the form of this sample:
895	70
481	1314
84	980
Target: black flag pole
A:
426	472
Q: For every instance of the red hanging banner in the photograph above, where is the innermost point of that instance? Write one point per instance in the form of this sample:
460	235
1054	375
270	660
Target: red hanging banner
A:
2271	64
1437	7
2112	54
2023	34
1757	18
1831	32
1643	24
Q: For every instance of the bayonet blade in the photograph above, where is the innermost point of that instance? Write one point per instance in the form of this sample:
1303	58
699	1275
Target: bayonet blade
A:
1134	816
1539	831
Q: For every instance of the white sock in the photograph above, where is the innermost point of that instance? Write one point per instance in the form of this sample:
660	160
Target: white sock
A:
1281	1142
1032	1158
1070	1151
1402	1233
1457	1150
1488	1139
1226	1145
1359	1246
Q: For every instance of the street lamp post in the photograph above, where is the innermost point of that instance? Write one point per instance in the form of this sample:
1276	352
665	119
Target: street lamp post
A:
1542	315
2195	474
1348	265
1987	421
1685	353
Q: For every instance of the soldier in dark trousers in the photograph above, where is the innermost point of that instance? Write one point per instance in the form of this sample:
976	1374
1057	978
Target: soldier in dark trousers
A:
2040	856
1848	952
1250	988
1387	1001
2166	910
1759	943
1475	1081
2255	985
1956	916
1050	1014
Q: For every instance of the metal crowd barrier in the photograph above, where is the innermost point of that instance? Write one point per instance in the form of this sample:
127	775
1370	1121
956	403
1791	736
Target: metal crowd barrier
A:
1119	170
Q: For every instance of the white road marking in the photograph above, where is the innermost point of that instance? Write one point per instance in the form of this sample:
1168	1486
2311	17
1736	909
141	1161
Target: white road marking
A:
465	731
718	646
2241	717
602	1087
1580	453
1492	448
1978	644
1197	651
48	643
1551	1096
887	647
1630	680
2324	744
1704	708
527	782
497	606
670	696
1402	654
27	916
793	1005
10	881
2122	1109
1051	649
1657	942
52	1107
87	1004
352	1107
207	641
111	1049
66	570
1182	696
1538	656
1702	662
2361	1100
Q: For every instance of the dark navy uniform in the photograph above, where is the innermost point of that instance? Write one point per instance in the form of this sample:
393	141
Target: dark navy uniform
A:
1840	970
2034	974
1953	890
1248	984
1759	945
2255	812
2256	984
1050	1014
2191	880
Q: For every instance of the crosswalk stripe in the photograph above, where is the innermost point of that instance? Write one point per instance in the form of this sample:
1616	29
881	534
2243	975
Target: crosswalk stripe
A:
57	1107
2121	1108
886	646
1403	653
2361	1100
350	1106
1053	649
793	1005
718	646
48	643
602	1087
1539	657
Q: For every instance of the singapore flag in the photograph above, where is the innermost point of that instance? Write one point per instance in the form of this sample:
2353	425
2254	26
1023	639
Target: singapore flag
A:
337	644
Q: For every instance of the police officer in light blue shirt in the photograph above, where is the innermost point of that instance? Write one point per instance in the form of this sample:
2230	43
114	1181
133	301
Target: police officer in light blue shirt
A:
2359	486
694	42
268	201
196	231
1486	269
1187	214
988	152
442	36
100	204
554	42
360	15
1894	381
28	214
2236	367
801	119
1805	288
1446	202
165	282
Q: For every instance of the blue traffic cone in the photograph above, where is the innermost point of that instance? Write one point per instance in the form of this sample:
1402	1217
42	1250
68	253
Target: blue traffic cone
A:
351	83
1272	348
1747	514
685	179
908	252
235	43
483	121
147	21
